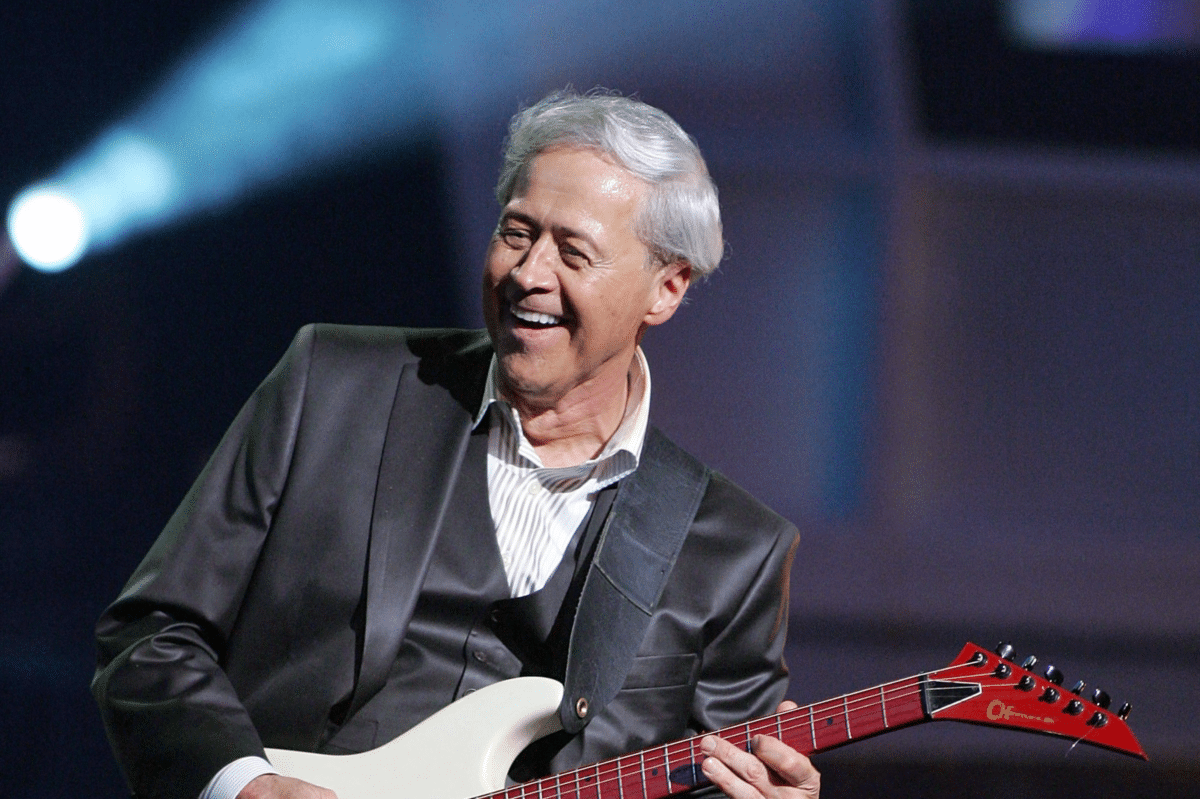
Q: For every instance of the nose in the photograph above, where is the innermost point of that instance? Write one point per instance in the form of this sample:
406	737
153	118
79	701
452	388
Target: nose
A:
536	270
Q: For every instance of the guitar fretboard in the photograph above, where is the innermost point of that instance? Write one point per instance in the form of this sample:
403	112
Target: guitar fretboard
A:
675	767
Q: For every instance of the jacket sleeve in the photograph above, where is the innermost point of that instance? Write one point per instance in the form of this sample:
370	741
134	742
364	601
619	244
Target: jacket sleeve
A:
171	714
743	674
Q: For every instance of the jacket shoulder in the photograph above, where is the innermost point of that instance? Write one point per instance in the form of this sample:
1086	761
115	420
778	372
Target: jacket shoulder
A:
726	506
406	343
342	356
727	498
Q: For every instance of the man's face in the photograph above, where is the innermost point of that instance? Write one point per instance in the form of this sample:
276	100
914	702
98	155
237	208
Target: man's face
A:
566	288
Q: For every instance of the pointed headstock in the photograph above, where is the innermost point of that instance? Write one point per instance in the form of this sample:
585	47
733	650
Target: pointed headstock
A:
984	687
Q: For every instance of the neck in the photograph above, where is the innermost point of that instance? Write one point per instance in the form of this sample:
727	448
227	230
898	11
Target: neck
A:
576	426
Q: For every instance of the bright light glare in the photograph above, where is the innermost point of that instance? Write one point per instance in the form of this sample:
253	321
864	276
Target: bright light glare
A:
47	228
291	85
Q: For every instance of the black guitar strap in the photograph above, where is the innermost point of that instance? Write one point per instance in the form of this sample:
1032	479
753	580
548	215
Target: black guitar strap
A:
638	547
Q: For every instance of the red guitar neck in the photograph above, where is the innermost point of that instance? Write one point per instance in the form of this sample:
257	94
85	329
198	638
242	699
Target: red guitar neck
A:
977	687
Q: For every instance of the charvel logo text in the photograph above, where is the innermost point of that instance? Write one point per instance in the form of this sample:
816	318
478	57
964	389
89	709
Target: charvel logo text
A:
998	710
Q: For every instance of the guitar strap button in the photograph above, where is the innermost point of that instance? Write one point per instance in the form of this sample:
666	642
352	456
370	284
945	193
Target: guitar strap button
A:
581	707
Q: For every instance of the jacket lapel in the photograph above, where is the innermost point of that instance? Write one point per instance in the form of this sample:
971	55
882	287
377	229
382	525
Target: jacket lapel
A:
423	452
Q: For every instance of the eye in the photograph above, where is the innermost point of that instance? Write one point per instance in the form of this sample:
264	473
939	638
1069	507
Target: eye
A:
515	237
571	256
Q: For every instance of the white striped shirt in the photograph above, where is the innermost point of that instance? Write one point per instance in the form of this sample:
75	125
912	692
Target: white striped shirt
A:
537	508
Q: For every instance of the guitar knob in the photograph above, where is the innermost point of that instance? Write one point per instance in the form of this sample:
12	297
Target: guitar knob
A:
1123	713
1050	694
1029	662
1026	683
1054	675
1101	698
1002	671
1098	719
1074	707
1077	689
1006	651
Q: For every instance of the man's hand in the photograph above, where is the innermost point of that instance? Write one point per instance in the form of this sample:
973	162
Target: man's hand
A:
773	771
276	786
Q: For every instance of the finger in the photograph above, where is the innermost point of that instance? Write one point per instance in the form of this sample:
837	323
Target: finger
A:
738	773
788	765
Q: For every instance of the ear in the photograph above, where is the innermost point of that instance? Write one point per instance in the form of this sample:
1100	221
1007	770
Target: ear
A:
671	284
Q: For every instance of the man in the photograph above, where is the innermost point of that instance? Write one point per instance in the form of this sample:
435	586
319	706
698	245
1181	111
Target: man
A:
399	517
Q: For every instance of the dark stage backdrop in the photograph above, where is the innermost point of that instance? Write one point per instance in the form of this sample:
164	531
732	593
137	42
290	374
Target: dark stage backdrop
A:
962	361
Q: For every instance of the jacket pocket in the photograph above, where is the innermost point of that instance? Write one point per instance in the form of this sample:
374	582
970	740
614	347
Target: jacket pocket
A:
662	671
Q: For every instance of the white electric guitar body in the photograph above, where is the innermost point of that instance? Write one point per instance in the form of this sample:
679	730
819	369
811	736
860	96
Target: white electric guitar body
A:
467	749
462	751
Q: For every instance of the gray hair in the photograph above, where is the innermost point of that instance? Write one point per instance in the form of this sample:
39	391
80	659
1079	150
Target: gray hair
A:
681	220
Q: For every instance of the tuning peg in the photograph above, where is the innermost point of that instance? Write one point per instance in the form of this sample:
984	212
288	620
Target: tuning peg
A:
1006	651
1101	698
1029	662
1050	694
1074	707
1098	719
1002	671
1026	683
1123	713
1054	675
1077	689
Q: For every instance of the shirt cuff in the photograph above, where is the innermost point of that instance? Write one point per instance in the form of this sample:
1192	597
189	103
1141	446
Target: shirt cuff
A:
229	781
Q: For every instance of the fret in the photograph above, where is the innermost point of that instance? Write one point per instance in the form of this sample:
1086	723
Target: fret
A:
656	773
846	714
906	702
693	758
866	717
779	726
680	767
883	705
642	772
828	732
667	787
812	727
583	783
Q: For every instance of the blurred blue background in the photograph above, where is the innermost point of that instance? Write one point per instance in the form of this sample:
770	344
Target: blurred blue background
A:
956	338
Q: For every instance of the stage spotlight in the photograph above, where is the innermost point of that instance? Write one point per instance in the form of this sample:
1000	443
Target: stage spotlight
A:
47	228
289	86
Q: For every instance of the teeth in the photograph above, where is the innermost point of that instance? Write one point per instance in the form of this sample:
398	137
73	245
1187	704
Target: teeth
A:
533	317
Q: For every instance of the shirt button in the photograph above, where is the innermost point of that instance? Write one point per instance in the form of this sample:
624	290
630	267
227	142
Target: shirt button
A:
534	488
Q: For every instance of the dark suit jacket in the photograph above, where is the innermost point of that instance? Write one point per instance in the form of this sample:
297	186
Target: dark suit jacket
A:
276	598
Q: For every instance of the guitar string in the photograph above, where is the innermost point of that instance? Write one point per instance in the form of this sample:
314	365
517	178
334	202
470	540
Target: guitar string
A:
610	772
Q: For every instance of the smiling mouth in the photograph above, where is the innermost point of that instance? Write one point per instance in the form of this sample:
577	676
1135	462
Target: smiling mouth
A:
534	318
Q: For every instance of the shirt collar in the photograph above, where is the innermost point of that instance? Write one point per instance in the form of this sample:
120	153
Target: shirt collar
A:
630	434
